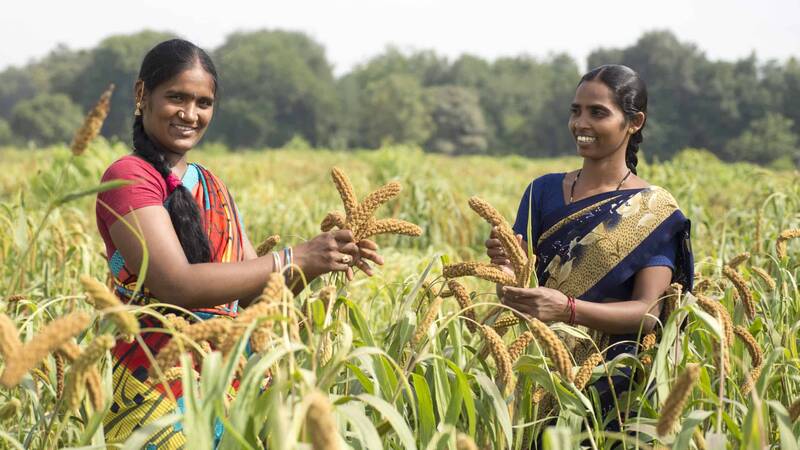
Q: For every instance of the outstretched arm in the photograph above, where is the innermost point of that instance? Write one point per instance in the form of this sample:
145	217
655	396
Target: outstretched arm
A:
172	279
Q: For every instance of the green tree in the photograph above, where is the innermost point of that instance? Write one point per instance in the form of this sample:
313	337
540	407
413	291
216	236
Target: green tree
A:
782	84
472	71
62	68
46	119
393	109
17	84
115	60
283	81
426	67
670	69
55	73
459	126
525	102
765	140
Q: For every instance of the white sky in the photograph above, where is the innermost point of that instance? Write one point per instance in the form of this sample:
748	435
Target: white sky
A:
354	30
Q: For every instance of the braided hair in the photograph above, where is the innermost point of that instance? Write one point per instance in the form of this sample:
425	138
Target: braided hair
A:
630	94
163	62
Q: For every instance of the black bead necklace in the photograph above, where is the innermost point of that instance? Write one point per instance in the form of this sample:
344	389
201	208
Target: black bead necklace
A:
578	175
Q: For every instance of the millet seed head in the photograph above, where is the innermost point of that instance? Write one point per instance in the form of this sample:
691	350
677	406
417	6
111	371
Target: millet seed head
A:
502	360
269	243
585	372
364	211
744	291
517	348
92	123
346	191
424	325
320	426
487	211
649	341
783	237
766	277
391	226
102	299
9	338
756	355
333	219
462	297
738	259
673	406
554	347
48	340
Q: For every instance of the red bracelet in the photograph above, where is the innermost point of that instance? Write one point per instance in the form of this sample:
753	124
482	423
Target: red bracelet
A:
571	306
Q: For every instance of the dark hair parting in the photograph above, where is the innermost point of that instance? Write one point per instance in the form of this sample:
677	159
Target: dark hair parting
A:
630	94
163	62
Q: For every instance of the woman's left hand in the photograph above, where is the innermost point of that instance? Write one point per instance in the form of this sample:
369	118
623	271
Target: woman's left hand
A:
367	250
545	304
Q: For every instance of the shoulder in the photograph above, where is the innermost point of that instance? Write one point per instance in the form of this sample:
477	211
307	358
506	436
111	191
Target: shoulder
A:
540	188
146	184
130	167
660	202
545	183
549	179
546	180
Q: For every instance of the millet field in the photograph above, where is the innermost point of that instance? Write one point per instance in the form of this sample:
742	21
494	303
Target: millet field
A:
406	359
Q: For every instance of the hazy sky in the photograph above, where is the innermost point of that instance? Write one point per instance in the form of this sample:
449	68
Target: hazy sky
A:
353	30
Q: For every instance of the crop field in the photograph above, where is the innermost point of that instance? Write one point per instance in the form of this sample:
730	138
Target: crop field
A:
405	359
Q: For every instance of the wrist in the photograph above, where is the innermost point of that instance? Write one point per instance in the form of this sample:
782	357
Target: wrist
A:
301	262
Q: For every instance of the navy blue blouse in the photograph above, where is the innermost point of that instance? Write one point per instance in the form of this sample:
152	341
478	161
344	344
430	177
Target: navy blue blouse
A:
548	196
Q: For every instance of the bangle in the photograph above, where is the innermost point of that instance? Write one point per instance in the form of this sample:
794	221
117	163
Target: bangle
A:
276	262
571	306
289	257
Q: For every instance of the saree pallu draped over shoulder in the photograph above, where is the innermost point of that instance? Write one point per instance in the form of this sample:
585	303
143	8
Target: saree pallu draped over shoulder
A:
137	400
592	246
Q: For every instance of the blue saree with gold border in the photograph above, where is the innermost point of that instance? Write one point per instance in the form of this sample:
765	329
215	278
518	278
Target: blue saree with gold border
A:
591	249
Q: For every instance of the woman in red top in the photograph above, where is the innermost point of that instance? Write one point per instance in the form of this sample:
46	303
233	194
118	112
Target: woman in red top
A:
200	258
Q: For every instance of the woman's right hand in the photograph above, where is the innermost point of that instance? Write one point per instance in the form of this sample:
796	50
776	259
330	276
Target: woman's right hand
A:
333	251
495	251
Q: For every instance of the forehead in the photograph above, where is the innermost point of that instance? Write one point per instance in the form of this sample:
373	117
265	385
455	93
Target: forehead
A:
193	80
594	92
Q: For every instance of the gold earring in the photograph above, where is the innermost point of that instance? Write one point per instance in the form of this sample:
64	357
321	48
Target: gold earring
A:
138	110
632	130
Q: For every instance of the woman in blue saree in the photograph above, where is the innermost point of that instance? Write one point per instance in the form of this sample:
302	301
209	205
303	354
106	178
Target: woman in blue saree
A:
608	244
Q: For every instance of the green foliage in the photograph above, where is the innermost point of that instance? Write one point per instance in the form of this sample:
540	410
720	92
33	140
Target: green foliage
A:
116	60
393	109
297	143
283	81
279	84
765	140
384	393
523	102
46	119
16	85
459	126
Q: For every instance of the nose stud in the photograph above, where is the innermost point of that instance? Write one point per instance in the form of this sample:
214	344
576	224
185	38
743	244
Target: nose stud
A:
181	114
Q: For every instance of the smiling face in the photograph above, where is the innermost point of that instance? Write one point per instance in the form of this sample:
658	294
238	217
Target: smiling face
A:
597	123
177	112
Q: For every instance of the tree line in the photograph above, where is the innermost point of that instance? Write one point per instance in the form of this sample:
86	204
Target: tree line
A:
278	88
